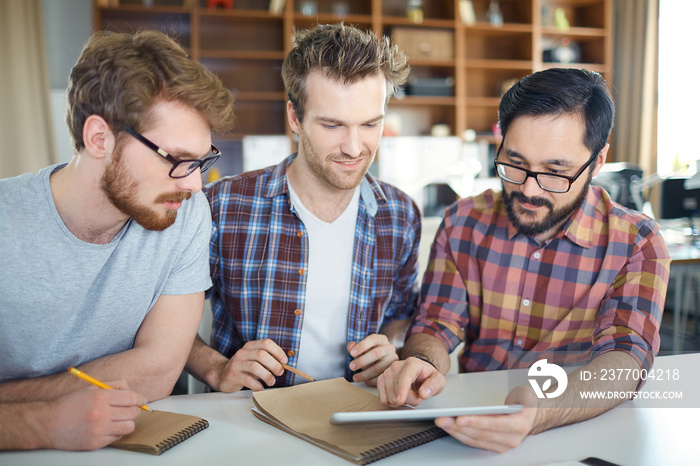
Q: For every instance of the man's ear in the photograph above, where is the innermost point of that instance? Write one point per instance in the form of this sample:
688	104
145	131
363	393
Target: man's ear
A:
98	137
600	160
292	118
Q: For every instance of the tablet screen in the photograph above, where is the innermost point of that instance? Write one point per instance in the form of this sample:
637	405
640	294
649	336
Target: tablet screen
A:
418	414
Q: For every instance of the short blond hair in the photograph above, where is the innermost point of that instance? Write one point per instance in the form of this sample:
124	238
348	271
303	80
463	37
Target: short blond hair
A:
343	53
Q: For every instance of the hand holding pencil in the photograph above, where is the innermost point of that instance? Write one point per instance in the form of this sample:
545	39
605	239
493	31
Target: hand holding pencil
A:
87	419
96	382
254	365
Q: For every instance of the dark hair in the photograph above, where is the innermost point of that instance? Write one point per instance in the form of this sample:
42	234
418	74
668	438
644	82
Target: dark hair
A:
562	91
121	76
343	53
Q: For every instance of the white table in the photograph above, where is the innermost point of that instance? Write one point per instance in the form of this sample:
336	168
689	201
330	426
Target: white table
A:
631	434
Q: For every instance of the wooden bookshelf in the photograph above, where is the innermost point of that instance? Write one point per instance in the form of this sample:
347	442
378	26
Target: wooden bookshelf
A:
245	47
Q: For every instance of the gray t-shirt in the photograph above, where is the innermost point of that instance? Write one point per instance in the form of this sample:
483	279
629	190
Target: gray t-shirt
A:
65	302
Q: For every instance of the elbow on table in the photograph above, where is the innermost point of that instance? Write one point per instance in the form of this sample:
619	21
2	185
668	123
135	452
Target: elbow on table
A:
160	383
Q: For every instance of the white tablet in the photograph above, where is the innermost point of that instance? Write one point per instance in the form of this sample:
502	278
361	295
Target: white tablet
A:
418	414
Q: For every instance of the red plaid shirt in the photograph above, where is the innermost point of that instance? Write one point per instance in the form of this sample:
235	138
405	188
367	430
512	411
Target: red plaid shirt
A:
598	285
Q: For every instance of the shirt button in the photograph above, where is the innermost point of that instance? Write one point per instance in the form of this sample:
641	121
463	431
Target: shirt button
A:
290	353
297	312
300	234
520	342
526	302
301	271
536	255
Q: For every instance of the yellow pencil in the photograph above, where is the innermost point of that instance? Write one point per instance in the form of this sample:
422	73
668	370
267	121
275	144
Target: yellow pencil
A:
298	372
96	382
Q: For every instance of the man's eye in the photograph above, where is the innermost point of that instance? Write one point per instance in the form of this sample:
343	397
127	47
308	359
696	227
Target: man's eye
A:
330	126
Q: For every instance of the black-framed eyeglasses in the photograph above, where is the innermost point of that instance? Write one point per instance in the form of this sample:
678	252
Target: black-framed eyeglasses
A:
547	181
181	167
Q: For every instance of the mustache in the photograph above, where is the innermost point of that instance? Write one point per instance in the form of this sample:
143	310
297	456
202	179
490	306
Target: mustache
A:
343	157
538	201
173	197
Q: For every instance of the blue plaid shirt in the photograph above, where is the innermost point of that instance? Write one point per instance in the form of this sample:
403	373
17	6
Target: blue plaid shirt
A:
259	253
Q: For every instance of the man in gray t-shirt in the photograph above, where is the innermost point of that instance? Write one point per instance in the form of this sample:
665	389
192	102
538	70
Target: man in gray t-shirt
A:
104	260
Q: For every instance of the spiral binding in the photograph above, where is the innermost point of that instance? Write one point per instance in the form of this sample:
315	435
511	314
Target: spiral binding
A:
402	444
181	436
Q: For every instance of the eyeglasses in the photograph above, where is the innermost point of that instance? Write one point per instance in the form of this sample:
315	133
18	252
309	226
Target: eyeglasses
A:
547	181
181	168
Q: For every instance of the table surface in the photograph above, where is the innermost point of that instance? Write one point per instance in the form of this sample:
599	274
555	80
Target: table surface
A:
634	433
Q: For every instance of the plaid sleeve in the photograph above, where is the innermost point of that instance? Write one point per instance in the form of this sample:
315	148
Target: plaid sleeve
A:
630	316
404	295
442	310
211	192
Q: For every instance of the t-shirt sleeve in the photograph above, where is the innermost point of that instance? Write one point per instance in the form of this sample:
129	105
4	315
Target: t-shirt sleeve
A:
190	274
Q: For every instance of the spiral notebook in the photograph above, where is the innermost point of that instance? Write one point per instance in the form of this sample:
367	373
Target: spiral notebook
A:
305	411
159	431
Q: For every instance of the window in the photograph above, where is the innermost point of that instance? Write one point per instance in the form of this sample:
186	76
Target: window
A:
678	98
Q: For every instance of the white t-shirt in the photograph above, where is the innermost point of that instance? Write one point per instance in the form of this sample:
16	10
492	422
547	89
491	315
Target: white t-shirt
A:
324	329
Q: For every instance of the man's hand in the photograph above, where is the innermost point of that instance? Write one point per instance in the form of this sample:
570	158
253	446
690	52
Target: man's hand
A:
498	432
410	381
91	418
256	361
372	356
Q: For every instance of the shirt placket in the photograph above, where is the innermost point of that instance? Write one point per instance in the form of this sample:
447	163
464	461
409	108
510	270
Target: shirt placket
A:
300	252
532	272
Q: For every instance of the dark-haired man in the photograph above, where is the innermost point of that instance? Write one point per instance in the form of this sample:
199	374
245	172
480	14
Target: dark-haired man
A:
549	267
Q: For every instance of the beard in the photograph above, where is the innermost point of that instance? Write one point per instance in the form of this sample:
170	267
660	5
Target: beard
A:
122	191
551	220
344	181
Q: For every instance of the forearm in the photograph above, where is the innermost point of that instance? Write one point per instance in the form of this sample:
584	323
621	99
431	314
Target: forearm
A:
204	363
571	407
145	373
22	425
395	331
427	347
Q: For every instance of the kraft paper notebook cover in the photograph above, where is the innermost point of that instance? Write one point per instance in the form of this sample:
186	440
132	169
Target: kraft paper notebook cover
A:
159	431
305	411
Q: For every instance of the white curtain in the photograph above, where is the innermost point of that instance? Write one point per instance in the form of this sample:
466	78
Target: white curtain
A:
26	136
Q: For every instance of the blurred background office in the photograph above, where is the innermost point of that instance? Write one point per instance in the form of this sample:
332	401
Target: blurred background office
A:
440	137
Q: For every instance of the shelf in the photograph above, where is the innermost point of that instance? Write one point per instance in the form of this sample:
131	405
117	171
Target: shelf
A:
146	9
247	14
423	100
322	18
506	28
483	101
499	64
426	23
574	32
246	46
242	54
260	96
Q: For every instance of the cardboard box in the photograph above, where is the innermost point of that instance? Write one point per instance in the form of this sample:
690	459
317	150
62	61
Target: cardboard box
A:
438	87
426	44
